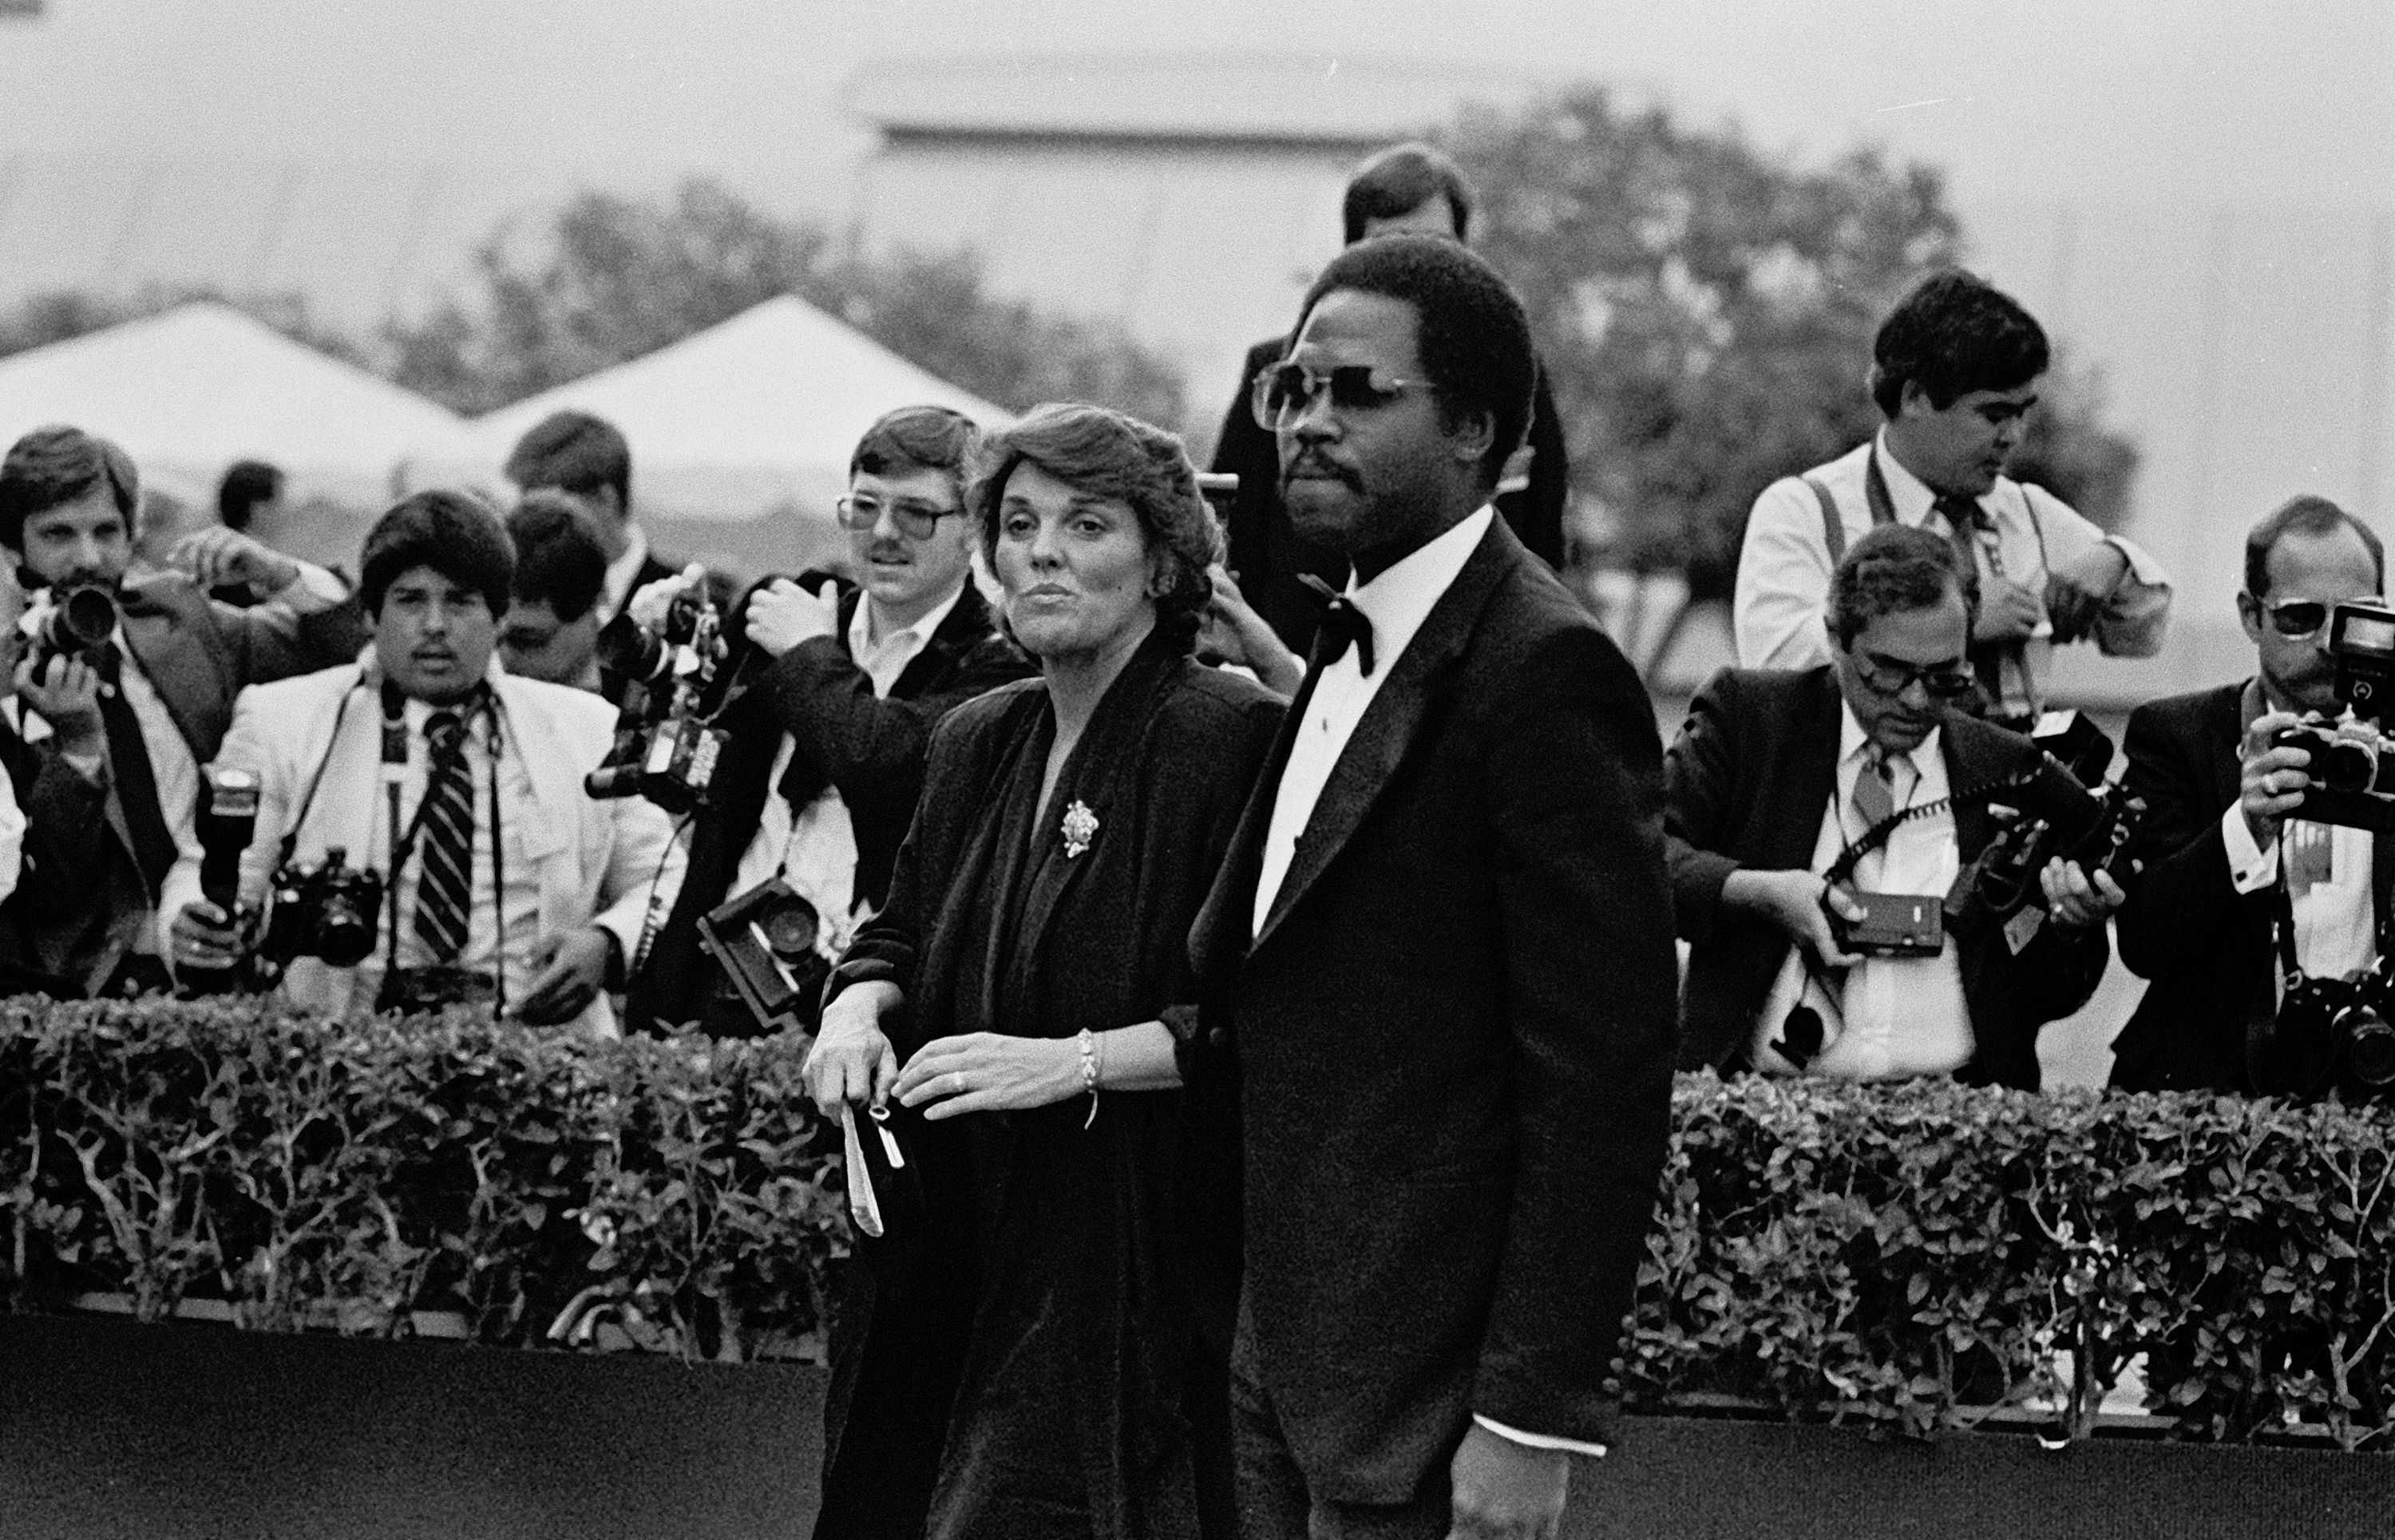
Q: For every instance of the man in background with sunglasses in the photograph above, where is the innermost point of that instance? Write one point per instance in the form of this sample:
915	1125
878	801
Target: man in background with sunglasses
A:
2218	841
831	730
1955	369
1779	774
1406	187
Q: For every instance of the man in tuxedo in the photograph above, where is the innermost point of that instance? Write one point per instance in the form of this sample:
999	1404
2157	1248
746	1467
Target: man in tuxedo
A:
1406	187
587	459
1438	955
118	731
829	742
1779	774
2223	836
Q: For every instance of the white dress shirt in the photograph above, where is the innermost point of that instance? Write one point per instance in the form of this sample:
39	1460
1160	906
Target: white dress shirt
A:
1893	1016
1397	602
616	591
814	851
1783	567
2336	921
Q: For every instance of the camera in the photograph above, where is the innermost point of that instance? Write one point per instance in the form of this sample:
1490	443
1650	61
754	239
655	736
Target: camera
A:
665	745
2330	1035
2352	767
2062	806
328	911
1894	924
765	940
72	621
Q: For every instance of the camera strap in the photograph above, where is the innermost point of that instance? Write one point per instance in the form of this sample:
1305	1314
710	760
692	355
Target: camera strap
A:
1881	832
316	777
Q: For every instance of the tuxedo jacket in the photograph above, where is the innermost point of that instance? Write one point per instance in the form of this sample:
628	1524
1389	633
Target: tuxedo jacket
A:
1453	1036
199	654
594	862
871	750
2206	948
1265	553
1746	783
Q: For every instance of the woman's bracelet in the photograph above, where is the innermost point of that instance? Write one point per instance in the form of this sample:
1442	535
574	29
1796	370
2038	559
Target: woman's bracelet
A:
1090	1072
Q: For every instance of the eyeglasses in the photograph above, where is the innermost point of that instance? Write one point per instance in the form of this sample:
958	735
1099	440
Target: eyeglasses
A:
2295	617
1891	677
863	510
1286	392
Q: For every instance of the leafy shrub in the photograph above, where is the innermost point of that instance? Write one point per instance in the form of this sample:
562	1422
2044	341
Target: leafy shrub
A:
1907	1256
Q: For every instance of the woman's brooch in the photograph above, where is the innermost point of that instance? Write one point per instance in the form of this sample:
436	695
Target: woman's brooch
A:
1080	828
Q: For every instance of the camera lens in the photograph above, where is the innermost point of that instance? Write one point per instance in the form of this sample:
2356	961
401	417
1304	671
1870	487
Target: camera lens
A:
2346	764
790	928
344	936
2369	1046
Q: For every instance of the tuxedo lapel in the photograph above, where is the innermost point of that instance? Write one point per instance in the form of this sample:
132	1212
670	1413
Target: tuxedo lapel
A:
1418	678
1220	934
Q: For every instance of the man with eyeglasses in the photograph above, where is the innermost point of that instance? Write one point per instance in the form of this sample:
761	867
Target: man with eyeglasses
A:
1955	369
2218	842
833	720
1779	774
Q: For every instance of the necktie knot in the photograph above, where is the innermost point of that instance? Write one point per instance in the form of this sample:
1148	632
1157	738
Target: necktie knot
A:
1343	624
444	731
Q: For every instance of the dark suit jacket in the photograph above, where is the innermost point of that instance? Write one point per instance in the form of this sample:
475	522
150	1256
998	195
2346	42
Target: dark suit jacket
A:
1745	785
1265	553
199	654
870	749
1454	1042
2205	946
617	632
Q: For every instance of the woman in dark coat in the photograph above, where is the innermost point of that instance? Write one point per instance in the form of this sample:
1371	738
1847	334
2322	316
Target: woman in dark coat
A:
1058	1329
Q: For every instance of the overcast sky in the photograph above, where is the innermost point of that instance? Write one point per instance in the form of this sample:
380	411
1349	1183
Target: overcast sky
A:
2036	99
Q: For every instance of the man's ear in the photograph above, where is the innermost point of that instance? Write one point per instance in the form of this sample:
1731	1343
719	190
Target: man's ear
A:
1471	435
1914	401
2249	614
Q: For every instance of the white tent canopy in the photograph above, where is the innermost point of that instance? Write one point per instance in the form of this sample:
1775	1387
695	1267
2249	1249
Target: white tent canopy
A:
189	391
751	419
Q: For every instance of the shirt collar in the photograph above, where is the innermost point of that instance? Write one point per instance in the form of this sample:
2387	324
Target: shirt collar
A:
1851	738
1400	599
860	625
622	573
1911	497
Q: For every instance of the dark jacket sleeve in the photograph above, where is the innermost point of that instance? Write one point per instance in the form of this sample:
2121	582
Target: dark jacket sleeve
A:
2182	901
1700	778
1536	512
270	641
1574	798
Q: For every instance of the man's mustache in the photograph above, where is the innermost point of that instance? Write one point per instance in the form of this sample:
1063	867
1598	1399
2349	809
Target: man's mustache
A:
1312	465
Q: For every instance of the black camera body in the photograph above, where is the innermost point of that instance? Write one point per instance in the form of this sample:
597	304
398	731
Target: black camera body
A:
1894	924
2332	1035
666	747
78	622
329	910
2352	767
2065	807
765	940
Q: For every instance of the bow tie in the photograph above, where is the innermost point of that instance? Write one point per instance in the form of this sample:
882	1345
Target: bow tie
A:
1341	623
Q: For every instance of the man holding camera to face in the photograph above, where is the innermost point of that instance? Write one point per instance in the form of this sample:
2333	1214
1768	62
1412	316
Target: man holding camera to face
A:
833	720
2242	872
419	815
126	686
1860	771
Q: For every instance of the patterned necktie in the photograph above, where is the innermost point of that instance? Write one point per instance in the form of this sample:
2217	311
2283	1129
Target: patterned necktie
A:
443	887
1343	624
1874	798
1965	518
137	781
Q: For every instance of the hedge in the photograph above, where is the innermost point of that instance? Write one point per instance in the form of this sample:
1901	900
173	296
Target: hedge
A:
1909	1256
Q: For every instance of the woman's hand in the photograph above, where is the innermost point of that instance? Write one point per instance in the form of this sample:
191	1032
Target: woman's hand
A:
851	1060
990	1072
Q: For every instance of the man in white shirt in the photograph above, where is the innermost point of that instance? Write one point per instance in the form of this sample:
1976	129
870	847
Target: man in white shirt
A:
1955	369
2224	838
1436	953
456	783
832	729
133	717
1775	780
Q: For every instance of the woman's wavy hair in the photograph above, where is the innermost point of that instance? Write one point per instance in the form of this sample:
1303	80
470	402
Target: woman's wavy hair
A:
1108	454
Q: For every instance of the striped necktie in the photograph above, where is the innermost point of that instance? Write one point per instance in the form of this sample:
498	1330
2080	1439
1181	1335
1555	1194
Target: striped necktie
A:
444	883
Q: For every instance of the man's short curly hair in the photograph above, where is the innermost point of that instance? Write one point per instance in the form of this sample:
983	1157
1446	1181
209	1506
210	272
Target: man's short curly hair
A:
1108	454
1894	570
51	467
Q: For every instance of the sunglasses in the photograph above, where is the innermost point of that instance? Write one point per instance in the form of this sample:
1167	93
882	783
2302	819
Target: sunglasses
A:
1287	392
1890	677
862	510
2295	617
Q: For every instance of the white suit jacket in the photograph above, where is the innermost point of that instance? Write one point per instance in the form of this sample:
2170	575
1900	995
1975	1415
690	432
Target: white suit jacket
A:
602	863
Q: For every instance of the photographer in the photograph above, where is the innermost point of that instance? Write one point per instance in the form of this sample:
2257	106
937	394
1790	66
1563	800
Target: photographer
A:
1777	776
511	886
830	736
2220	840
132	703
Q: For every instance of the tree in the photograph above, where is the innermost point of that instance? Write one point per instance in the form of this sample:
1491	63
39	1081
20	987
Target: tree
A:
58	315
615	278
1705	313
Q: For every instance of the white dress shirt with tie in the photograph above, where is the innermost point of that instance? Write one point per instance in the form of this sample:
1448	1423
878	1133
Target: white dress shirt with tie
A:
1889	1017
2328	888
